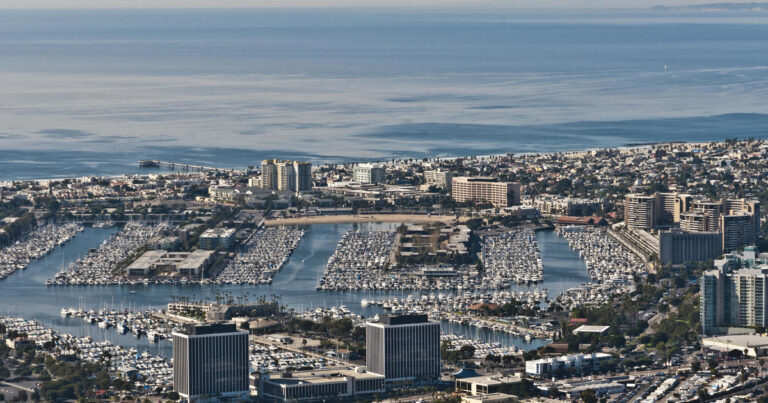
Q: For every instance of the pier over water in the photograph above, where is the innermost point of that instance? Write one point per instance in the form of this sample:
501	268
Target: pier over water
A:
181	166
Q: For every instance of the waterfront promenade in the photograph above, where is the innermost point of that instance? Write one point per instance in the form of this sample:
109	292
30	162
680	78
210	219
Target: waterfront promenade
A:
363	218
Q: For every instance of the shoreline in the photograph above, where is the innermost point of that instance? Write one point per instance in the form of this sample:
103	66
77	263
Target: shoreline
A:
623	148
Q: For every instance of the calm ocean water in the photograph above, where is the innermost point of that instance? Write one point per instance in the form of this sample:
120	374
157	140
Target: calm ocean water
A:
90	92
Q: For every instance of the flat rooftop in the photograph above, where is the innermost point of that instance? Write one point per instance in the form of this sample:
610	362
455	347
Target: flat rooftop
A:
321	376
742	340
590	329
147	259
491	380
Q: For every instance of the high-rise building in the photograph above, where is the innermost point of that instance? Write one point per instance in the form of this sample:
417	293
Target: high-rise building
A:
682	205
640	211
210	362
303	172
269	174
438	178
286	176
369	174
711	211
737	231
677	246
485	189
738	220
405	347
734	293
744	206
290	176
666	204
693	221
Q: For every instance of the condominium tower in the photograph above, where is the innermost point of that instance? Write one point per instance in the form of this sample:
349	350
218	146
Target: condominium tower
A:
369	174
734	294
485	189
438	178
291	176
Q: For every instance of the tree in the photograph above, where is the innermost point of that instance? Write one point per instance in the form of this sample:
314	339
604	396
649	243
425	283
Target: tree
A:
589	396
696	366
467	351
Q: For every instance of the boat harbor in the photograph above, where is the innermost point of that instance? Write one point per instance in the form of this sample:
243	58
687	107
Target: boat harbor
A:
152	371
265	252
481	349
103	266
38	243
606	259
511	257
148	324
611	266
360	262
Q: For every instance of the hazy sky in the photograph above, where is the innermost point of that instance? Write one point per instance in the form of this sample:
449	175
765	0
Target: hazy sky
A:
346	3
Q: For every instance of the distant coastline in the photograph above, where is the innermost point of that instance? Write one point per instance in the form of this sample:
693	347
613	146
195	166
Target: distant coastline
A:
751	6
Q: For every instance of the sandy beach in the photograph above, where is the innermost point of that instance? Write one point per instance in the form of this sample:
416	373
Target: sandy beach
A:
353	218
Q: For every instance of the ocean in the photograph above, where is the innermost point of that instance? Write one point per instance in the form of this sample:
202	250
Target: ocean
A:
87	92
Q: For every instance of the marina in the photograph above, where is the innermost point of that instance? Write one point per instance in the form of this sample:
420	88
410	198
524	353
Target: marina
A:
264	253
24	294
511	257
360	262
38	243
611	266
103	265
154	372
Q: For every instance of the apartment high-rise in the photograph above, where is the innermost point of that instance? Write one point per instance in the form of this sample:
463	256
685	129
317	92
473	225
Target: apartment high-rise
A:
485	189
737	231
734	293
211	362
666	204
269	174
405	347
737	220
640	211
693	221
286	176
303	172
290	176
677	246
744	206
711	210
682	205
438	178
369	174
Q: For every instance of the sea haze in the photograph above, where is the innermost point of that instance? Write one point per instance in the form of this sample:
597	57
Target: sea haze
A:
93	91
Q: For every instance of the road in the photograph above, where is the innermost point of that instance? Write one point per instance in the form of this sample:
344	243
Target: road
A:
17	386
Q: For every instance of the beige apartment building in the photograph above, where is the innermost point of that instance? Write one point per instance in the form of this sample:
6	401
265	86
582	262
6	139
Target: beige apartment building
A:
485	189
